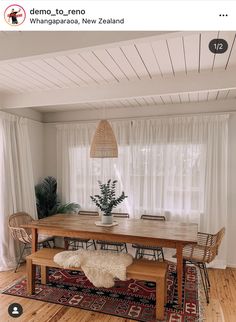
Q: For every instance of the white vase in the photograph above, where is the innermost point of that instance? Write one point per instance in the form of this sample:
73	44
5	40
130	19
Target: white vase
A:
106	220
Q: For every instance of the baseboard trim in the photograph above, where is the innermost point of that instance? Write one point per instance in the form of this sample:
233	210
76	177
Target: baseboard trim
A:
231	265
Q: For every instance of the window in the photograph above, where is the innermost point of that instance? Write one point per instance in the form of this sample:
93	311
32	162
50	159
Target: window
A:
156	178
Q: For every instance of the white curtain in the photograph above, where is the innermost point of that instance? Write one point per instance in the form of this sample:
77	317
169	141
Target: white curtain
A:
16	181
78	174
171	165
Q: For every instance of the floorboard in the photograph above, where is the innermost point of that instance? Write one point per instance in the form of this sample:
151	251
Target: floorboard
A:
222	307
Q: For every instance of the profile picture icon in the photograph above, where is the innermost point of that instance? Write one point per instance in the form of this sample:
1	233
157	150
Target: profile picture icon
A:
15	310
14	15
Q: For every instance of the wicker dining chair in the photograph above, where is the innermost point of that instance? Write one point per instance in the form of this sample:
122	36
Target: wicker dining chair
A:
23	235
154	251
202	253
114	246
76	243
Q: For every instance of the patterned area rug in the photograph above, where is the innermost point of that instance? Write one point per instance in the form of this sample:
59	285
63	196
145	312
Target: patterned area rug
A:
130	299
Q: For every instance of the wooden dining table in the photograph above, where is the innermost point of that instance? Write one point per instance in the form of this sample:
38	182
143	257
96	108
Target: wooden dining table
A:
135	231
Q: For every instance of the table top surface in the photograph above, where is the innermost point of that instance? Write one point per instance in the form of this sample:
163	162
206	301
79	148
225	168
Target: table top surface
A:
145	229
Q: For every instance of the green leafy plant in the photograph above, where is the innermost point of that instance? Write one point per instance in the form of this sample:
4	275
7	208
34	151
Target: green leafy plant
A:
107	200
47	200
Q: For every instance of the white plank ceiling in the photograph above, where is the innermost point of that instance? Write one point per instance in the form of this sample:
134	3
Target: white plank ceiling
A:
124	62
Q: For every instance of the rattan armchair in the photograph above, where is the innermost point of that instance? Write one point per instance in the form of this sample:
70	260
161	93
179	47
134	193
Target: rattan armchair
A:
23	235
154	251
76	243
114	246
202	253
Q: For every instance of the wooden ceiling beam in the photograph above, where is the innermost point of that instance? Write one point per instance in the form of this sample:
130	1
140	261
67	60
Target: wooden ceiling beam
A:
218	106
208	81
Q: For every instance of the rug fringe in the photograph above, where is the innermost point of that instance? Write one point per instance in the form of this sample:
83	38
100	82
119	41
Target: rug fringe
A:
201	299
12	284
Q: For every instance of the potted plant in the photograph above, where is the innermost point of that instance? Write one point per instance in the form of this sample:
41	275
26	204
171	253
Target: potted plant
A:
107	200
47	200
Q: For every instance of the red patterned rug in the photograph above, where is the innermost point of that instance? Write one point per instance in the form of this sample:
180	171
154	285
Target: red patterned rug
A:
130	299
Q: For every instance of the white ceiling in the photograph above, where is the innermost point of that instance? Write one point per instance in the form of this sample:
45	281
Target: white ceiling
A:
144	69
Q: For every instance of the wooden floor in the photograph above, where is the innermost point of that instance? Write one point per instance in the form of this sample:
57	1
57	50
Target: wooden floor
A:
222	307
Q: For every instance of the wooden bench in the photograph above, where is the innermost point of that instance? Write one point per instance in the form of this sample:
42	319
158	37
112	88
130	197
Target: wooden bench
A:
140	269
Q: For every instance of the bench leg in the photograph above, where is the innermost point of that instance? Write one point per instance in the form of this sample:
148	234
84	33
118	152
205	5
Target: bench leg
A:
44	274
31	273
160	298
66	244
166	289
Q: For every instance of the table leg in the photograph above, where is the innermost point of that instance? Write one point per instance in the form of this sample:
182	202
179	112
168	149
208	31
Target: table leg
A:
31	273
44	274
160	298
34	240
179	257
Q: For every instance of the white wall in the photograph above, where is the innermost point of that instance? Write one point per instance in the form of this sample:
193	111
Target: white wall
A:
26	112
50	157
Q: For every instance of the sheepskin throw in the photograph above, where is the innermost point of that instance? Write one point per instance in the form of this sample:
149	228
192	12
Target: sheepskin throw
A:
99	266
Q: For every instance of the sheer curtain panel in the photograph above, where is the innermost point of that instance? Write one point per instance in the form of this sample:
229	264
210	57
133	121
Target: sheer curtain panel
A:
78	174
16	181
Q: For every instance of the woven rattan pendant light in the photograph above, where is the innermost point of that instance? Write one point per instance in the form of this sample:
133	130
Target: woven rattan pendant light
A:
104	143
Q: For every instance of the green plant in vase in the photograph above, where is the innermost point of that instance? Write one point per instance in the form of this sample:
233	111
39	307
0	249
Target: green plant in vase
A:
107	200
